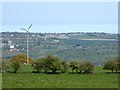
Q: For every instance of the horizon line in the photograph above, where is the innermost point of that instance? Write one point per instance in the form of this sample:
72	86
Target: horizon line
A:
58	32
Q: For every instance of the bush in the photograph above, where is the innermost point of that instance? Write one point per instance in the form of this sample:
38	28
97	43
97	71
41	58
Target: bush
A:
88	67
25	68
0	68
6	66
82	67
64	66
16	66
75	66
39	65
111	65
3	67
21	58
118	64
51	64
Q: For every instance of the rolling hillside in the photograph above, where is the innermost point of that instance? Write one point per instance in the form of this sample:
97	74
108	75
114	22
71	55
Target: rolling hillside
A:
95	47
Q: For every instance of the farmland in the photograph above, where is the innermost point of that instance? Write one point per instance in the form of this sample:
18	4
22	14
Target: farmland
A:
99	79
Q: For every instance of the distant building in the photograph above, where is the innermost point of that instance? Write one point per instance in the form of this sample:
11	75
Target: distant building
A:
12	47
9	43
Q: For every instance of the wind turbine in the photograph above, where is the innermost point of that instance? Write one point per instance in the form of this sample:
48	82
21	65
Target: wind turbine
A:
27	31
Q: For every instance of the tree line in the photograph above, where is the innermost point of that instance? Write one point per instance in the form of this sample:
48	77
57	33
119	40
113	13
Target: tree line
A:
54	65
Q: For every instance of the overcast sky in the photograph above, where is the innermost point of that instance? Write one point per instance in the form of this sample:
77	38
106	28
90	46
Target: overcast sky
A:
61	17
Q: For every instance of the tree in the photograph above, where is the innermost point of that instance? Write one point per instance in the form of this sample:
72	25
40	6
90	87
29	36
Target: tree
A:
0	68
16	66
21	58
0	64
17	61
64	66
39	65
74	65
118	60
53	64
111	65
88	67
6	66
118	65
50	64
81	67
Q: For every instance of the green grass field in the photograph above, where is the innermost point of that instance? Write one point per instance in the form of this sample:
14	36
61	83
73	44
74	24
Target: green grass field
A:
0	81
36	80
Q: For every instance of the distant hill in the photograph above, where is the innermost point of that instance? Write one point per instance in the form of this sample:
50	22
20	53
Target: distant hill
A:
95	47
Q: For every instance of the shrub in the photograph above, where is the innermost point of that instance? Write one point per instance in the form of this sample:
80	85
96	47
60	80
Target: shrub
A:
118	64
82	67
16	66
111	65
64	66
25	68
6	66
3	67
88	67
74	65
53	64
50	64
21	58
39	65
0	68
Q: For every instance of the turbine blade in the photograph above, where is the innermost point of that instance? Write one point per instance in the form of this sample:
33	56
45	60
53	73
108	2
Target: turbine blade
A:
29	26
23	29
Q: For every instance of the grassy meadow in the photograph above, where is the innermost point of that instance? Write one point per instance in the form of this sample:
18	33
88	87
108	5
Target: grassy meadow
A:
99	79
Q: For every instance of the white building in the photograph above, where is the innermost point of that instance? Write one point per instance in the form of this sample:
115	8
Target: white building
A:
9	43
11	46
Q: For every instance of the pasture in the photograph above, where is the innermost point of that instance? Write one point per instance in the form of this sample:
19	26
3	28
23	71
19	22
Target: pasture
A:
99	79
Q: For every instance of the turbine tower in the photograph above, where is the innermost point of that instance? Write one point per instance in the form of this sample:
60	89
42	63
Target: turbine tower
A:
27	31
